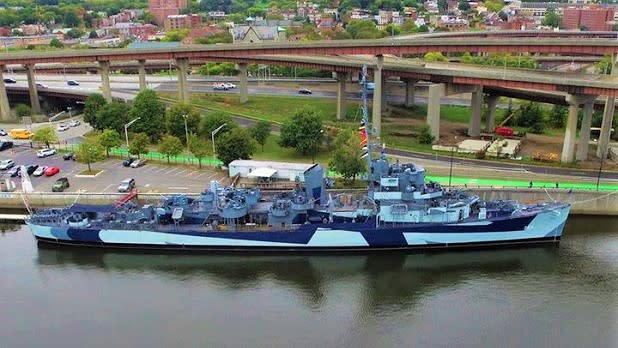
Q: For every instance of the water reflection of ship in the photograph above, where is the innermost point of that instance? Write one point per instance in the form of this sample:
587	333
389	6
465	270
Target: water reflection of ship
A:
387	279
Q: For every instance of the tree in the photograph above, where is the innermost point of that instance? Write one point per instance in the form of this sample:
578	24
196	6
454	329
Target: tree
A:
260	132
425	136
364	29
214	120
557	116
346	158
199	148
110	138
90	152
303	132
435	57
93	103
56	43
551	18
139	144
175	121
22	110
604	66
112	116
71	20
170	146
530	115
494	5
463	5
176	35
75	33
151	112
45	135
235	144
93	35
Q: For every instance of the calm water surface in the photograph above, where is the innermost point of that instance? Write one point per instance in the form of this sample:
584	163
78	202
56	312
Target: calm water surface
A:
550	297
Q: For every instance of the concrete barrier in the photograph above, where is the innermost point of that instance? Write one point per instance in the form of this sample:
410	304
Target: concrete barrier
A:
583	202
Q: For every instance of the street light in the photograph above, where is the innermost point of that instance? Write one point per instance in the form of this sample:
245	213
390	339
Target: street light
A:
212	135
186	132
126	134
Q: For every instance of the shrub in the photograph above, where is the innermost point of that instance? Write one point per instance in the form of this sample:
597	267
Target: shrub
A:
424	135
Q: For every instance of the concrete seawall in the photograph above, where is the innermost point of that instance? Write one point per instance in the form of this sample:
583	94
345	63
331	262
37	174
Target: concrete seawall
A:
584	202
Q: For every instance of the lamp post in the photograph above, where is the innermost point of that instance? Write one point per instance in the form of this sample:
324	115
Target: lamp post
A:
186	132
212	136
126	134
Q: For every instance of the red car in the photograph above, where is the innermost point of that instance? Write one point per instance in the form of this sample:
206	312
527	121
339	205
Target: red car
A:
52	171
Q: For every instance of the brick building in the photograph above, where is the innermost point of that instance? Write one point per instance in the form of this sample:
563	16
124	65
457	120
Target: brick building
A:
160	9
183	21
591	18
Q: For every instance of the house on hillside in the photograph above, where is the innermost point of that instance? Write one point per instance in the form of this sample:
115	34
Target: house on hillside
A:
256	34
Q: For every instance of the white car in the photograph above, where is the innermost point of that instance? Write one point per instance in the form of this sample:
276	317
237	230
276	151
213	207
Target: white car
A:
62	127
220	87
40	171
45	152
229	85
6	164
74	123
3	132
41	85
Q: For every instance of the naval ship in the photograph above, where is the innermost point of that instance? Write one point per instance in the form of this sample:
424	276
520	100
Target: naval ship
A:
400	210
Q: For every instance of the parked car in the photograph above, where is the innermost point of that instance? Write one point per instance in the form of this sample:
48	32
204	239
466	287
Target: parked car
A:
40	171
128	161
5	145
62	127
126	185
51	171
60	185
41	85
9	80
3	132
45	152
138	162
30	169
72	83
74	123
13	172
6	164
304	91
69	156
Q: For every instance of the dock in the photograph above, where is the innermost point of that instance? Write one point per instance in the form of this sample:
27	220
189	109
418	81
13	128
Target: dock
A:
13	217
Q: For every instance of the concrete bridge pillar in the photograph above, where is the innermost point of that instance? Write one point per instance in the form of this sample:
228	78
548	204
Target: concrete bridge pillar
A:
385	110
34	93
342	78
376	114
434	93
568	148
492	101
5	109
584	133
410	85
105	86
606	127
242	85
476	103
182	64
142	74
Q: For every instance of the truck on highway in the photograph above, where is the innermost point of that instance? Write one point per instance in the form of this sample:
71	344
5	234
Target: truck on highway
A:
20	133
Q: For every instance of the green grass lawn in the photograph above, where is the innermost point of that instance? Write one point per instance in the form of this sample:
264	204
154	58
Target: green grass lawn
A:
274	152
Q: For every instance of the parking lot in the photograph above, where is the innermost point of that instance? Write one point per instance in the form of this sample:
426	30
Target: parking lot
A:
154	177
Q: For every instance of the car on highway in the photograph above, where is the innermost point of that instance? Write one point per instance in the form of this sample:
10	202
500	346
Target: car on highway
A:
138	162
60	185
9	80
51	171
304	91
5	145
20	133
6	164
126	185
45	152
229	85
72	83
41	85
219	87
69	156
40	171
62	127
3	132
74	123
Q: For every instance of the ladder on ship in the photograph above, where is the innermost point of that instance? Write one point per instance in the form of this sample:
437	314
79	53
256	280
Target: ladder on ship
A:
126	198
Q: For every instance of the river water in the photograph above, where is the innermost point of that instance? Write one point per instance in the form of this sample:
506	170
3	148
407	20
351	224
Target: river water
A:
563	296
